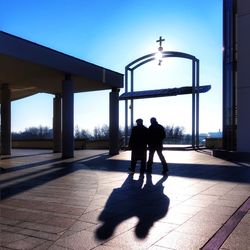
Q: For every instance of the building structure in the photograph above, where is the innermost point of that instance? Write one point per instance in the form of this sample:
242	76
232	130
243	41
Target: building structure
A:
40	69
27	68
236	76
195	89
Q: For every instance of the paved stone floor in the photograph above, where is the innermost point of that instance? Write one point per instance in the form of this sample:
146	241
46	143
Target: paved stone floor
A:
91	202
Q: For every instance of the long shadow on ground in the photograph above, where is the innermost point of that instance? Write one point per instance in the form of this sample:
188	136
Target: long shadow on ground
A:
148	203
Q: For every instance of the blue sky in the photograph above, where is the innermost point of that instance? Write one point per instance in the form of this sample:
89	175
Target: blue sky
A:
113	33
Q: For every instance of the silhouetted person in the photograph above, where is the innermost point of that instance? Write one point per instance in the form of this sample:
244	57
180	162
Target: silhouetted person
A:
156	135
138	145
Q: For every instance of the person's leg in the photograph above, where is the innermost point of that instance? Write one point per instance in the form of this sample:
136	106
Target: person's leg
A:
143	167
143	162
150	160
163	161
132	166
133	162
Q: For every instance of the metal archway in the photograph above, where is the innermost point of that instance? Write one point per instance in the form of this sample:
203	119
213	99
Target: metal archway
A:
195	89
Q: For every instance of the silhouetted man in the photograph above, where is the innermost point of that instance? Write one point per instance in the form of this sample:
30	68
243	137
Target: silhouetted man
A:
138	145
156	135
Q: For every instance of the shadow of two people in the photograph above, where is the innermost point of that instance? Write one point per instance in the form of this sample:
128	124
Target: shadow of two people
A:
133	199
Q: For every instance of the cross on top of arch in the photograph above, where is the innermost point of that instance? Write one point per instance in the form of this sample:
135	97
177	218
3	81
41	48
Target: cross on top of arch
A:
160	43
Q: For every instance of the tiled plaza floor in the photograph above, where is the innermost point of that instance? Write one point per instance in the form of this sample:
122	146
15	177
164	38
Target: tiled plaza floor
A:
91	202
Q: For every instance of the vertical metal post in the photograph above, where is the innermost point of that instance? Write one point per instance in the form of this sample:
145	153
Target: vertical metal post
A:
193	103
197	102
126	109
132	101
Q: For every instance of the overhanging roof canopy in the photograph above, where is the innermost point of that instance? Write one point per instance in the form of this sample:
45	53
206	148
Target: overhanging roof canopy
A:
163	92
30	68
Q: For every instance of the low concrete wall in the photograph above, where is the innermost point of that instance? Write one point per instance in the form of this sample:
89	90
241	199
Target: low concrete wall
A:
213	143
97	144
48	144
232	155
36	144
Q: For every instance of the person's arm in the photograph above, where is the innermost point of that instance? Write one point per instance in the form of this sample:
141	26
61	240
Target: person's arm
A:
131	139
163	133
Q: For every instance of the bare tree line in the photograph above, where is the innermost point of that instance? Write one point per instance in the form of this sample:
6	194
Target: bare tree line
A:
174	134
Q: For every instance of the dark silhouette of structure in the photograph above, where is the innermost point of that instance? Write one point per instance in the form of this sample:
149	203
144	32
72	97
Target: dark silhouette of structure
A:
28	68
195	88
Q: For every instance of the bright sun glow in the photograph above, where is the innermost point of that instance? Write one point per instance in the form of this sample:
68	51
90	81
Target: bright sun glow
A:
158	56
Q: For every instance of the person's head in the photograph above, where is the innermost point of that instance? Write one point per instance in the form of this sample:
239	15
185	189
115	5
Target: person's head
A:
139	121
153	120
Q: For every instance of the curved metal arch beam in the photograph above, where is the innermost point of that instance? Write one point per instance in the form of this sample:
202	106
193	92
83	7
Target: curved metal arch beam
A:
151	57
141	63
178	54
139	59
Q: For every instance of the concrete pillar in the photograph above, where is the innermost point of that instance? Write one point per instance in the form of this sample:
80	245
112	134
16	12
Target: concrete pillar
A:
243	76
5	120
57	124
67	118
114	142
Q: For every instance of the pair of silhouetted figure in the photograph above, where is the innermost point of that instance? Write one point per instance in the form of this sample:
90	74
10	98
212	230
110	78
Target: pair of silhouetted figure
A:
140	138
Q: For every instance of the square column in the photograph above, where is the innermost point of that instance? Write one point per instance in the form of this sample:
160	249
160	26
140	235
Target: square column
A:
114	142
243	76
57	124
5	120
67	118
